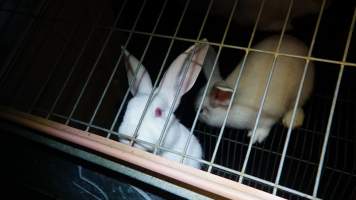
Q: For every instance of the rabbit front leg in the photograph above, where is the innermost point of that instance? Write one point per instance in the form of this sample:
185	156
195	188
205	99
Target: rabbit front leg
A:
298	119
262	131
261	134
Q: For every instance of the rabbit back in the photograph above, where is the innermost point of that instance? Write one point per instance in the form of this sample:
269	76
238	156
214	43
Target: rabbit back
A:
285	80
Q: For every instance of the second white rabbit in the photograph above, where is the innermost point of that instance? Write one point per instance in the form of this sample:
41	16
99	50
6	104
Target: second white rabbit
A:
282	91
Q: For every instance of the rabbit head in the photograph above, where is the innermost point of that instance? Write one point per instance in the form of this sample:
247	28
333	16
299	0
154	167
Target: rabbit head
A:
181	74
218	94
279	100
215	104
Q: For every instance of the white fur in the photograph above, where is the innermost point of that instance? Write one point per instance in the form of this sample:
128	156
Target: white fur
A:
152	125
281	95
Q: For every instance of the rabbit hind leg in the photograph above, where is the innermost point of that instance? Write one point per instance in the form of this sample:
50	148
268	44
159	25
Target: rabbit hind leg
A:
298	119
260	135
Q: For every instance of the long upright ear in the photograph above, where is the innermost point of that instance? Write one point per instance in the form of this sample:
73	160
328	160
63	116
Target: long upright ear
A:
208	66
136	74
192	58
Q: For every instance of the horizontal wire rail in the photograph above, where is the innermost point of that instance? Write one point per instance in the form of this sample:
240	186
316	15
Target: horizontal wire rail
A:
311	58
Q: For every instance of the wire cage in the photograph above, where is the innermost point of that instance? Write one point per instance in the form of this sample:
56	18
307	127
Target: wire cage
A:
62	61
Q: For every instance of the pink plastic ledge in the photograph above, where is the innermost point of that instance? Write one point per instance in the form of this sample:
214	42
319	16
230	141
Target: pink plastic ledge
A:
211	185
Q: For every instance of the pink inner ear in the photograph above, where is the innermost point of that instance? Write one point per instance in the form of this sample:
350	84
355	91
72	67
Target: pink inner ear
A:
158	112
220	97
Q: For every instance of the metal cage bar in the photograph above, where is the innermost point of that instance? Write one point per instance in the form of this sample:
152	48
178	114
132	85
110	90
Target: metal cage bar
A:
117	64
197	114
312	58
76	62
300	88
265	93
36	53
54	68
235	86
333	105
107	39
150	98
14	53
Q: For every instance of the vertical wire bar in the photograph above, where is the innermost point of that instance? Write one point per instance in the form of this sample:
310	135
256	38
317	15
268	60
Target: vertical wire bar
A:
163	134
286	143
171	110
117	65
132	81
209	80
76	62
186	65
5	70
307	158
332	109
131	32
157	79
296	171
44	85
228	159
36	54
216	147
205	19
199	35
274	154
210	77
235	86
233	146
265	93
107	39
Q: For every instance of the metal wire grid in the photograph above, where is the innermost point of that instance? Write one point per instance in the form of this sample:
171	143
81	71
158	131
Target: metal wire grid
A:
227	166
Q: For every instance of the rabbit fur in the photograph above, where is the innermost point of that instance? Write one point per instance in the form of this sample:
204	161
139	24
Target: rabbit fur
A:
157	112
281	95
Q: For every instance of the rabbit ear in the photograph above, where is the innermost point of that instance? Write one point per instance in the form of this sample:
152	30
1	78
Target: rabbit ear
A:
220	95
208	66
175	74
142	82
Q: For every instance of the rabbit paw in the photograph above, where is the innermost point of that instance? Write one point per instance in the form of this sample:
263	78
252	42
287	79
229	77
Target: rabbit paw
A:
260	136
298	119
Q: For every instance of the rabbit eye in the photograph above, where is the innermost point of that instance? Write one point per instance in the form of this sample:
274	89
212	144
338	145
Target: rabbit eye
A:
158	112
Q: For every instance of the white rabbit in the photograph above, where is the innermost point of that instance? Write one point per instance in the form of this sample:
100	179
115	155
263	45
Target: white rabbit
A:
157	112
281	95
